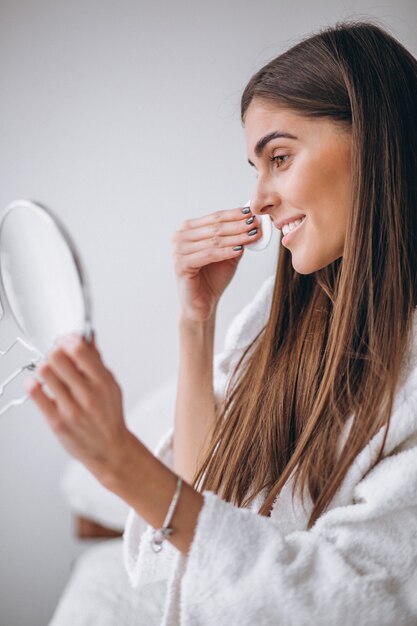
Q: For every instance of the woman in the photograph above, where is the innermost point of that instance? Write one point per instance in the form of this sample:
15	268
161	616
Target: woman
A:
299	501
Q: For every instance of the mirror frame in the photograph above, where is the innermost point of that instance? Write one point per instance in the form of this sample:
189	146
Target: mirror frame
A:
84	284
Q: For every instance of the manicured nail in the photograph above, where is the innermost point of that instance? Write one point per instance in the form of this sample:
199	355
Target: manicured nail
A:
252	232
245	210
250	220
238	248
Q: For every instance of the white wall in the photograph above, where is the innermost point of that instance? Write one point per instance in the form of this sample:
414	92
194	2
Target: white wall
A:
124	118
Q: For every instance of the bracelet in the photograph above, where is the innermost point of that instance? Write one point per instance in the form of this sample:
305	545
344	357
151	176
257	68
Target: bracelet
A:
161	534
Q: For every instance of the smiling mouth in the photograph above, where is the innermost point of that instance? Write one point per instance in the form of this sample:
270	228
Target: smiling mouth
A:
289	233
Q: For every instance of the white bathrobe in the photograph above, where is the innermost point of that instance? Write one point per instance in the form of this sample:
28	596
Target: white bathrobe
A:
357	565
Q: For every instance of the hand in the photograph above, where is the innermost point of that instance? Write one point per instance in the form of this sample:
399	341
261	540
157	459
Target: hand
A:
86	410
86	414
204	259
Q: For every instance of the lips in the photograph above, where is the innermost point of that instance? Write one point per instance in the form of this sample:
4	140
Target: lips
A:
288	237
288	220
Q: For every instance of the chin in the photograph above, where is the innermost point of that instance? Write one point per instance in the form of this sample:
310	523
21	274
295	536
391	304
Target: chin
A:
304	266
308	264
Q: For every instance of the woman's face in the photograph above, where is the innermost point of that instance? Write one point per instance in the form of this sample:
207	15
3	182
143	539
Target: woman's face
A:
303	173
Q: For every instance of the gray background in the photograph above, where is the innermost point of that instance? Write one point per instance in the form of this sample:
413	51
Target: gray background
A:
123	117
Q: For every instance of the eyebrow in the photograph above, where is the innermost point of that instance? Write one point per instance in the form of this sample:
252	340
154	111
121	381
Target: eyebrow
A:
276	134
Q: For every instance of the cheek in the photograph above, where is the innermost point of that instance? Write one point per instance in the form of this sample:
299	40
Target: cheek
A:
326	198
325	204
299	188
320	188
307	183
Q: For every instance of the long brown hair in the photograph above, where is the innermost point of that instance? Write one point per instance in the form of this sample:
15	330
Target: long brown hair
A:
335	339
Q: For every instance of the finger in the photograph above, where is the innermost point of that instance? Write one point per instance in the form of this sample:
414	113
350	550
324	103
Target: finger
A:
189	265
46	405
67	371
85	356
65	402
227	215
91	340
242	239
219	229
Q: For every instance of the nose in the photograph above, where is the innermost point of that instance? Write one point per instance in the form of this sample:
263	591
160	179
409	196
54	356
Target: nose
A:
264	199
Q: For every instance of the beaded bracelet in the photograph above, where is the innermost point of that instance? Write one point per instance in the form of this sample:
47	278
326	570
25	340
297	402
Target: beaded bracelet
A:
159	535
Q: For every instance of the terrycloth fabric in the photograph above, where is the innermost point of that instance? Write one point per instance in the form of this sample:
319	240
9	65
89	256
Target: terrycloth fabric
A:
357	565
99	594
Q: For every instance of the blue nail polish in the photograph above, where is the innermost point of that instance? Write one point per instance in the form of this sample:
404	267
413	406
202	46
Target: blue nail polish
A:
238	248
250	220
245	210
252	232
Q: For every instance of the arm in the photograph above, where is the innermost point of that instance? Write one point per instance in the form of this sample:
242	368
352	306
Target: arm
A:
148	485
206	253
87	416
142	564
195	405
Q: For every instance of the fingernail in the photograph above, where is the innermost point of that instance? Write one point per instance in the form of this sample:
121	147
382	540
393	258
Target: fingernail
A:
250	220
238	248
245	210
252	232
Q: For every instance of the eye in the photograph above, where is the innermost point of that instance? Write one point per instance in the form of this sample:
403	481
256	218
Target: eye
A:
277	160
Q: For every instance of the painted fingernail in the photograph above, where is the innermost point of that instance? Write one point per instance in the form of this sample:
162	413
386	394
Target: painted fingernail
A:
238	248
252	232
245	210
250	220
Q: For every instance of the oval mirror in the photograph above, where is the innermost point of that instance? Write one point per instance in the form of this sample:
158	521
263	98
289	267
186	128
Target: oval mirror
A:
42	281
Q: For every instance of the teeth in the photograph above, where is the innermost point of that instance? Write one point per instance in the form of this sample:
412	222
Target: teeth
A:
289	227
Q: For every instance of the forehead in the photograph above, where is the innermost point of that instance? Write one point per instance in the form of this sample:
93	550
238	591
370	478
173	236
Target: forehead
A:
262	113
264	118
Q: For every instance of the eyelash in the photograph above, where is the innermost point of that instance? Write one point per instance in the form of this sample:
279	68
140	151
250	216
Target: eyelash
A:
275	159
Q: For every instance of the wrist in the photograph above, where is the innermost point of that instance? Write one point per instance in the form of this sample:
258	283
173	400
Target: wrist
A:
125	464
187	324
147	485
198	316
196	338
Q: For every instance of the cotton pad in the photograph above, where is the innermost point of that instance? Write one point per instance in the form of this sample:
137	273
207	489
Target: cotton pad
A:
266	227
